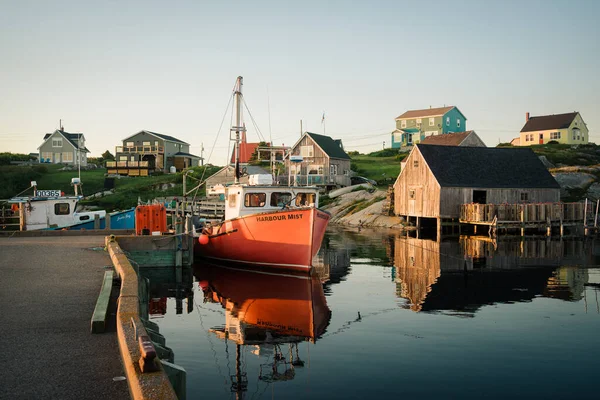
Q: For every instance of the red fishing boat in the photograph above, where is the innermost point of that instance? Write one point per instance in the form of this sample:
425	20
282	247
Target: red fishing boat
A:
279	227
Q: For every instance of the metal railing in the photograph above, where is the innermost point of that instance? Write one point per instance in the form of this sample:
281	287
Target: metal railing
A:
140	149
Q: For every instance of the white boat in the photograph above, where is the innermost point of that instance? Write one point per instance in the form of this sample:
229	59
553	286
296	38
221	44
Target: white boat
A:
51	209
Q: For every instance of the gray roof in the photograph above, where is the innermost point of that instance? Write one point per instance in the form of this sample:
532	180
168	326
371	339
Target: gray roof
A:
485	167
333	148
183	154
546	122
71	137
165	137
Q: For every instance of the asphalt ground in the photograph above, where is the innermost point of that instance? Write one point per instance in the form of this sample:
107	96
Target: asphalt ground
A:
48	291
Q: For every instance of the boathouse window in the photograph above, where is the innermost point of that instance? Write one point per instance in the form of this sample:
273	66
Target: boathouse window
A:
61	209
306	151
415	163
411	194
280	199
524	196
255	199
305	199
431	121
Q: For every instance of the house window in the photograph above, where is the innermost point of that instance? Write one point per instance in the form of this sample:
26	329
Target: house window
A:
418	121
145	143
281	199
57	142
458	122
61	209
156	143
524	196
129	144
333	169
403	124
431	121
67	157
411	194
122	158
315	170
554	135
415	163
46	156
447	121
255	199
306	151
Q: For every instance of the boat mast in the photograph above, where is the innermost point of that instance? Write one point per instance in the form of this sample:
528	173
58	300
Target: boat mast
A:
238	126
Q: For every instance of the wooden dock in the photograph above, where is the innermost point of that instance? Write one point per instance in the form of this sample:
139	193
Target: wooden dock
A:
542	216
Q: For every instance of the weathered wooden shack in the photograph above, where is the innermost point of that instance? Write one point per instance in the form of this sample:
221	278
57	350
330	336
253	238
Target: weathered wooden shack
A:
436	180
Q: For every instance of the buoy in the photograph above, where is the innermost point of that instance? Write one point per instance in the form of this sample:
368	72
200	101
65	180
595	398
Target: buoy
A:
203	239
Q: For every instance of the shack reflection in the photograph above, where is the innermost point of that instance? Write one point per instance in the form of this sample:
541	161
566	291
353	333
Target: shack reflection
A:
463	275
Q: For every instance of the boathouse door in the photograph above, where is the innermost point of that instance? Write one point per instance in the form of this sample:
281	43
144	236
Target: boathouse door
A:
479	196
415	201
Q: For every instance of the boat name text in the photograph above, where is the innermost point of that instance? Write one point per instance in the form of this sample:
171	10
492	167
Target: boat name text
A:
282	217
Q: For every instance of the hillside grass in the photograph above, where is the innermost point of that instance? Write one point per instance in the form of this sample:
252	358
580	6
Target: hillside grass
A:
384	170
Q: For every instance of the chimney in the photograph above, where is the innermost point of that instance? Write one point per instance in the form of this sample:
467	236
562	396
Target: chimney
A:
527	116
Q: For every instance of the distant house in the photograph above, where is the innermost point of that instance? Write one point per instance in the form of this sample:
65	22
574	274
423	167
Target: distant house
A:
151	151
62	147
437	180
323	162
566	128
246	151
468	138
415	125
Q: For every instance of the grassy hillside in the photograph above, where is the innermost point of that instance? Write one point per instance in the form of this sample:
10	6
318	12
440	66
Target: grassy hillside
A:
15	179
381	166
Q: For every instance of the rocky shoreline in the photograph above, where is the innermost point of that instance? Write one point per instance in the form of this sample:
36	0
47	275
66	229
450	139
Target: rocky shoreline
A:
362	209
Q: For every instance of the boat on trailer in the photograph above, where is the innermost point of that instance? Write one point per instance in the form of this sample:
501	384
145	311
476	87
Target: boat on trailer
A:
279	227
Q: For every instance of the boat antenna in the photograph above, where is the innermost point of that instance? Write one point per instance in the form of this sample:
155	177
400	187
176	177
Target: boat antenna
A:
238	125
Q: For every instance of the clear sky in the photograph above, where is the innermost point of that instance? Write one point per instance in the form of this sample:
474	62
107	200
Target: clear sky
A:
112	68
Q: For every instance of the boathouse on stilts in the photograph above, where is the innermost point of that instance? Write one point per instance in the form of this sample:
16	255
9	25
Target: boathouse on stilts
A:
481	188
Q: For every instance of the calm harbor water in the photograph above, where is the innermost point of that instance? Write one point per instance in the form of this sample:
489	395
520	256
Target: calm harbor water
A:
390	316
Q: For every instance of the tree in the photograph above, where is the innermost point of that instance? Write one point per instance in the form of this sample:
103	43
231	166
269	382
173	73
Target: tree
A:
107	156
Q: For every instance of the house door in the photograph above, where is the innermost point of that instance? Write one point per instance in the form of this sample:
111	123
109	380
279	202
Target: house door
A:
541	138
56	158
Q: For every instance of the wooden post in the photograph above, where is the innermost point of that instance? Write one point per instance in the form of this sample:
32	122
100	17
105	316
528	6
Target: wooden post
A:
189	230
439	229
596	217
107	222
522	220
22	217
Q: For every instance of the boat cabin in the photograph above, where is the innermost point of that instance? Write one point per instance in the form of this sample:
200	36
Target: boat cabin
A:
246	200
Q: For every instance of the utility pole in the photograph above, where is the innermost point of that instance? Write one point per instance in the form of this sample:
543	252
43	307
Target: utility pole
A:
202	154
384	145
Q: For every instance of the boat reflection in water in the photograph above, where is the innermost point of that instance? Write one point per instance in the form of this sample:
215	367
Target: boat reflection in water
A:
272	312
461	276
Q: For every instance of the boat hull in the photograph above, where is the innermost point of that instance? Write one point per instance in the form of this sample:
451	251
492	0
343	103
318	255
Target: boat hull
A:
285	239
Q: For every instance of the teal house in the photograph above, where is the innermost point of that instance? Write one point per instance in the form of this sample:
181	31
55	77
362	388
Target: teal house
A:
415	125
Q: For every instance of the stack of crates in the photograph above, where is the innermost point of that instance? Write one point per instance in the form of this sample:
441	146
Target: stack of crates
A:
150	219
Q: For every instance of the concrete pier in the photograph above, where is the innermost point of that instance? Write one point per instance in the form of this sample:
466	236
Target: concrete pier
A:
48	290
